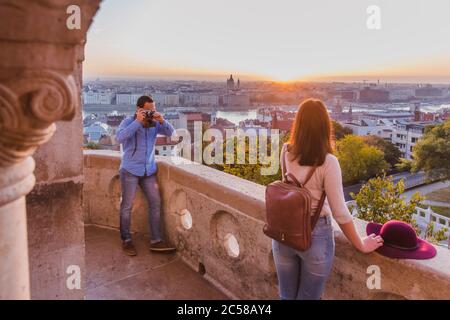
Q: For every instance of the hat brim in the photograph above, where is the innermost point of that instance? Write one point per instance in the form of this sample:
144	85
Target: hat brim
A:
425	250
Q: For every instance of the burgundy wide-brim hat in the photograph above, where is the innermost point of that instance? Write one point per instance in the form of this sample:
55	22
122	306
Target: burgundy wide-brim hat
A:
401	241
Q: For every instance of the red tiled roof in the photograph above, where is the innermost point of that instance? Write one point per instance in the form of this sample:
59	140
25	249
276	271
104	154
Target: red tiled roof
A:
164	141
194	117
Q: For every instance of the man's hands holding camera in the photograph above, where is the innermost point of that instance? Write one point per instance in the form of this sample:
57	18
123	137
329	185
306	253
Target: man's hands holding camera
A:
141	116
158	117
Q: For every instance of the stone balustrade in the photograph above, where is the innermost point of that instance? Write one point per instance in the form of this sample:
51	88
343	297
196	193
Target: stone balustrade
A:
216	220
424	216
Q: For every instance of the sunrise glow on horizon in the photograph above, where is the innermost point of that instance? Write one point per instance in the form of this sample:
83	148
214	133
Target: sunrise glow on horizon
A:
266	40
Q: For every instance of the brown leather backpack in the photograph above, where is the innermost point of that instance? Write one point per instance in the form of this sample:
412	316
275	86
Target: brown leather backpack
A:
288	211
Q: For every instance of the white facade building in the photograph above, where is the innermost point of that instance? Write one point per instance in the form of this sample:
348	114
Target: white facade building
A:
237	99
365	127
123	98
92	97
406	135
159	98
127	98
401	93
209	99
205	99
164	146
191	98
172	100
135	97
167	150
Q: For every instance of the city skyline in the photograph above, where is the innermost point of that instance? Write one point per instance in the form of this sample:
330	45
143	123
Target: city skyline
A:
290	41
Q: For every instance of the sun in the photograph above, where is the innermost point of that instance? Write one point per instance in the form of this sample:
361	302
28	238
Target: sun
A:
285	75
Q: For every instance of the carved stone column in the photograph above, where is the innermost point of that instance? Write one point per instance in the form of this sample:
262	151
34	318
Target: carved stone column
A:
38	74
15	182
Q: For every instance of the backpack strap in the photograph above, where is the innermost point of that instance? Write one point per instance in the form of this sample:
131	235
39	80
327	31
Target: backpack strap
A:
310	173
283	164
285	175
316	215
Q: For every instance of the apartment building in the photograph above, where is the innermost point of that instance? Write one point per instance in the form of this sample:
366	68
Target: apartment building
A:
406	135
365	127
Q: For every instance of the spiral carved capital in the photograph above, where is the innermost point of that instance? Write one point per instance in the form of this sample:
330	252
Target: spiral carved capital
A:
29	105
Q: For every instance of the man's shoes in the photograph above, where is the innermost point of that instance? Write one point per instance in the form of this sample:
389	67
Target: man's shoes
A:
128	248
161	247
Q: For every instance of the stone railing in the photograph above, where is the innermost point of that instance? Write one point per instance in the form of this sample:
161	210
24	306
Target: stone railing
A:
215	220
425	216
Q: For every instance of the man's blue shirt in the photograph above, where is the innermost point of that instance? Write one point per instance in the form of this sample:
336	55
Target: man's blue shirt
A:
139	145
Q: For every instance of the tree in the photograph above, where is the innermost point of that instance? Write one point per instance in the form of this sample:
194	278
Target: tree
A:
248	171
432	151
339	131
404	164
391	152
358	160
380	200
92	145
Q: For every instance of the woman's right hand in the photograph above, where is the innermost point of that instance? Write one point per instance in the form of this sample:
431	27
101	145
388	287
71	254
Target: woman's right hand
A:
370	243
365	245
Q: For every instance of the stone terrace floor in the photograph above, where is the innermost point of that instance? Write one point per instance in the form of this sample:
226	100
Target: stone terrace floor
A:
113	275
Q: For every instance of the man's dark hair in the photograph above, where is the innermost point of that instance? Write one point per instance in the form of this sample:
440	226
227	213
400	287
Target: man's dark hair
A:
142	100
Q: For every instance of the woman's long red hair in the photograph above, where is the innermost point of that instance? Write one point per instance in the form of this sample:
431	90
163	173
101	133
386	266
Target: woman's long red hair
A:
311	136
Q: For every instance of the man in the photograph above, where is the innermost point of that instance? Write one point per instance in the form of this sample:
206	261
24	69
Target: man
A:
138	167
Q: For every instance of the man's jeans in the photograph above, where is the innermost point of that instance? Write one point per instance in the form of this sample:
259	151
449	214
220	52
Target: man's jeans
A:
302	274
149	185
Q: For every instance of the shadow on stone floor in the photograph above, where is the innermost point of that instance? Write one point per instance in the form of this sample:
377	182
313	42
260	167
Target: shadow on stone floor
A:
113	275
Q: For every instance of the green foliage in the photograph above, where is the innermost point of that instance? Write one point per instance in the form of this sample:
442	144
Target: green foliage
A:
435	236
92	145
432	152
248	171
358	160
339	131
391	152
404	164
252	172
380	200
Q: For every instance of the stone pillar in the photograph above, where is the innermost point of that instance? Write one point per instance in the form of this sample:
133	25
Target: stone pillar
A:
38	86
15	182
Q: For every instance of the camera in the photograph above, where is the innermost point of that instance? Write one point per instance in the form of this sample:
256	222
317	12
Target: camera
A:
149	117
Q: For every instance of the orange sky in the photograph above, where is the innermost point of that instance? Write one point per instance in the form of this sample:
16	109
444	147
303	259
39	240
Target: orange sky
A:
283	40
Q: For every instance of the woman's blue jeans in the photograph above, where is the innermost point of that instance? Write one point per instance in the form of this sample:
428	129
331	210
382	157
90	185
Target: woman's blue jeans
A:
302	275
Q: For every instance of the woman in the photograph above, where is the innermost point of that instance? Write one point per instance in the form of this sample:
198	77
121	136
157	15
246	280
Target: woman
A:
302	275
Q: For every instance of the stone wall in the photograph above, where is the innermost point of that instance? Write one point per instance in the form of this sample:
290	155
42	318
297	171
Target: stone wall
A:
55	215
206	210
